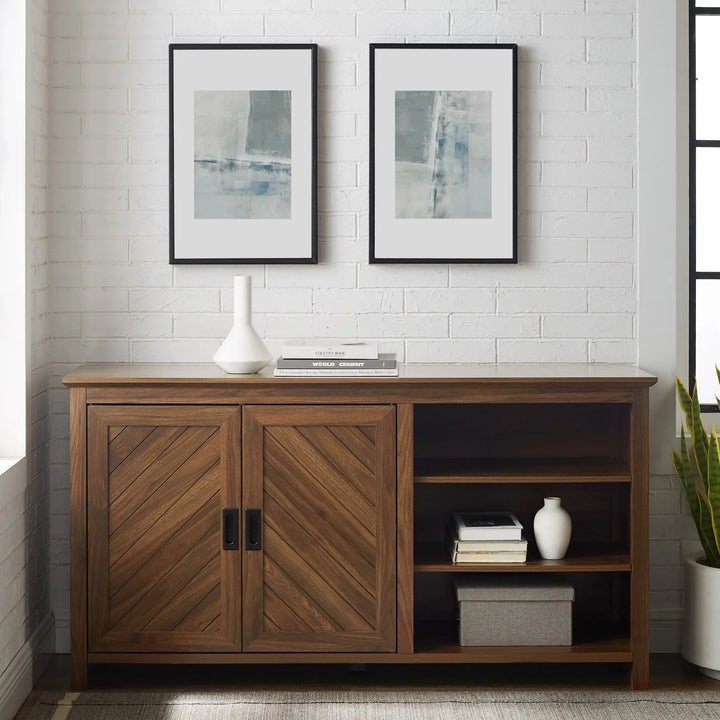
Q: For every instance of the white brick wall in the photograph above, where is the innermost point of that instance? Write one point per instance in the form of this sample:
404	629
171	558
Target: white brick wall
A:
113	296
37	523
37	599
24	530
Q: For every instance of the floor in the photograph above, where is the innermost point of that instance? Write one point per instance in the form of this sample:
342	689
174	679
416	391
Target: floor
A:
668	672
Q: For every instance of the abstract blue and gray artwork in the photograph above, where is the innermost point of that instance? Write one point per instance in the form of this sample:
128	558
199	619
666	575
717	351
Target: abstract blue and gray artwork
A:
242	154
443	154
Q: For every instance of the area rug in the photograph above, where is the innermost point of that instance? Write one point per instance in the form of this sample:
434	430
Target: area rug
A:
406	704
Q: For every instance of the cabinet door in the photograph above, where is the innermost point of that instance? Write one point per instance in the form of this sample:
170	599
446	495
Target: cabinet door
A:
323	578
158	576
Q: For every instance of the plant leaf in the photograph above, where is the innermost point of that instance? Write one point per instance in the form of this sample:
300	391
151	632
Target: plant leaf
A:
705	530
713	475
700	439
691	408
695	501
684	451
685	402
682	468
706	466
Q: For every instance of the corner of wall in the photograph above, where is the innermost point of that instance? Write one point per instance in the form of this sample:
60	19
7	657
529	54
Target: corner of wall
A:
19	677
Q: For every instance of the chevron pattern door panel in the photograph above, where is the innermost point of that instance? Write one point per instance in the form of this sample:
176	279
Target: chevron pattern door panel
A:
158	480
323	479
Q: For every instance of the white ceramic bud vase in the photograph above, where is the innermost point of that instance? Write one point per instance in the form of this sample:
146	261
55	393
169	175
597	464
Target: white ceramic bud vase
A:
552	527
242	351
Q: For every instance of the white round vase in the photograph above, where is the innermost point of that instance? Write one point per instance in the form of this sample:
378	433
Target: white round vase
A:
552	527
242	351
701	637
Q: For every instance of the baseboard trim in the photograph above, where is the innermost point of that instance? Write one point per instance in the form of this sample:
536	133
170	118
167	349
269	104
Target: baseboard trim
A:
25	668
62	635
666	633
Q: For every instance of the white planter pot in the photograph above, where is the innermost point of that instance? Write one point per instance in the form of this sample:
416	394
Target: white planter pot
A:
701	639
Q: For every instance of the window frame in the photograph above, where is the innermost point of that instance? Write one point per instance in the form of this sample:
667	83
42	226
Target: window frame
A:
694	274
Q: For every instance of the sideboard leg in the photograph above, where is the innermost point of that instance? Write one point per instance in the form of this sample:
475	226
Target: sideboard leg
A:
640	674
78	538
78	675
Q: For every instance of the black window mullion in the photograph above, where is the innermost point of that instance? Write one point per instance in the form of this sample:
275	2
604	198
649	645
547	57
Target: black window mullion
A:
692	324
694	144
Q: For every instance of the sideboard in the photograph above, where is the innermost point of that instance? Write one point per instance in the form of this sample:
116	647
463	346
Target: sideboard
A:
220	518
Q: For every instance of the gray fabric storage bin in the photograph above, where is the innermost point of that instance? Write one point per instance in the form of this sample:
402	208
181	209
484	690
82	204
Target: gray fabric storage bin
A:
514	611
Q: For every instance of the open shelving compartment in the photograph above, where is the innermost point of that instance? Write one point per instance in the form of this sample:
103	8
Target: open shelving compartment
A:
509	456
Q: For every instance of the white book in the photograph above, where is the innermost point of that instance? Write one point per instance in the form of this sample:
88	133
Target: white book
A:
487	526
384	360
490	557
356	351
463	546
336	372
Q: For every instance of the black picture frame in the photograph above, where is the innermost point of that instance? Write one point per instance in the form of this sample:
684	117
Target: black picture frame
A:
443	214
258	204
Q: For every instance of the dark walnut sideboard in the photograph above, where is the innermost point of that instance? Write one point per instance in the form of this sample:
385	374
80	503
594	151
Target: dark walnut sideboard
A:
249	519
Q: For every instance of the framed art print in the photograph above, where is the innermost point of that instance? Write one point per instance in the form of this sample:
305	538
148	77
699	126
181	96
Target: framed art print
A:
443	153
243	158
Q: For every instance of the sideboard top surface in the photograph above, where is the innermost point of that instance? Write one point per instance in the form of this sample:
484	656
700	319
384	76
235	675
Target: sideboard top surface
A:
105	374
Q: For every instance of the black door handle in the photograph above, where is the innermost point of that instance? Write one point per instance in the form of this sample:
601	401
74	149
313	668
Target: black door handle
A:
230	528
253	529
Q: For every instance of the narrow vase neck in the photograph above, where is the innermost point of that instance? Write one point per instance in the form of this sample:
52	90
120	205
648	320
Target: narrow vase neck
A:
552	502
242	300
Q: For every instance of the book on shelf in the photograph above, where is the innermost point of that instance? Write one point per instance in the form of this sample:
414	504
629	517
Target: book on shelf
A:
495	551
336	372
487	526
489	557
487	545
383	361
354	350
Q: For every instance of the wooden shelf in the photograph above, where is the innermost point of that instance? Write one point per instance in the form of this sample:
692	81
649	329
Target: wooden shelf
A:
521	470
430	558
440	640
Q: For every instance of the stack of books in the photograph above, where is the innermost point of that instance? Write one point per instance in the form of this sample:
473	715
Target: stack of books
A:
342	360
487	537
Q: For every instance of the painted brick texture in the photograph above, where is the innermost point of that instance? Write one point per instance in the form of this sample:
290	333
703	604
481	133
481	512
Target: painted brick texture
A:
37	496
24	530
114	297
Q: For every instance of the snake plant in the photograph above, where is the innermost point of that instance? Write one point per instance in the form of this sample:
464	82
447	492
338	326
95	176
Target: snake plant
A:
699	471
